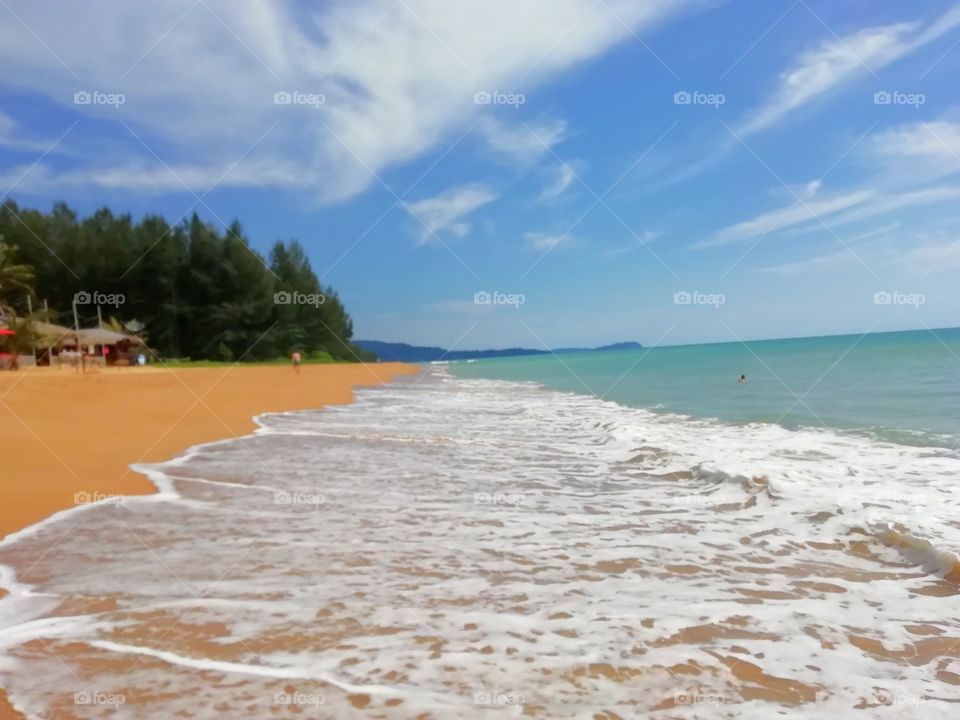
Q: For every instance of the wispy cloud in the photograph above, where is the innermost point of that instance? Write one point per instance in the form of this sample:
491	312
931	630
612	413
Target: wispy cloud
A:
520	145
837	61
543	242
561	177
448	211
935	257
881	205
397	79
9	137
646	237
800	211
835	259
916	152
904	161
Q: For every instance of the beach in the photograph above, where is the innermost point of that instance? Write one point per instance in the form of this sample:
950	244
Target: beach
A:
464	547
71	438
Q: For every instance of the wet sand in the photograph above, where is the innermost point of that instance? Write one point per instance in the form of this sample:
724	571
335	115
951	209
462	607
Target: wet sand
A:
70	438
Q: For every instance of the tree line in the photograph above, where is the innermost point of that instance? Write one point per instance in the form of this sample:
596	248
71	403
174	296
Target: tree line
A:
192	290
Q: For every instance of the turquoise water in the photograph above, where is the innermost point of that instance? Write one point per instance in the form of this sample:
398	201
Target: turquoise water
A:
902	386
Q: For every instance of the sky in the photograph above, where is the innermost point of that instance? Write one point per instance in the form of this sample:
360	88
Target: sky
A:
545	173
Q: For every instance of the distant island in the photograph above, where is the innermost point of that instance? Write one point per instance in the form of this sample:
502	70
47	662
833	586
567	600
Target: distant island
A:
402	352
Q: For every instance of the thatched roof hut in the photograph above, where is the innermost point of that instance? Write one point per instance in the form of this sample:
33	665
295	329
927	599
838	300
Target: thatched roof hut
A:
50	335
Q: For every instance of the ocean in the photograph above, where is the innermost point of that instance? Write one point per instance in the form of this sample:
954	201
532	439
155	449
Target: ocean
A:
903	386
608	535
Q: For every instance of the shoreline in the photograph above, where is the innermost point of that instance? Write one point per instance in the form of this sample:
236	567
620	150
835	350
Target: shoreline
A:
70	438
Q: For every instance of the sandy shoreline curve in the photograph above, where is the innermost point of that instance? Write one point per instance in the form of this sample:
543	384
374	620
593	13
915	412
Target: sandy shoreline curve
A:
67	434
69	438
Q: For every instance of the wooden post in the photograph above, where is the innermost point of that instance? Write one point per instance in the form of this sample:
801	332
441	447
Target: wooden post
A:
76	336
29	313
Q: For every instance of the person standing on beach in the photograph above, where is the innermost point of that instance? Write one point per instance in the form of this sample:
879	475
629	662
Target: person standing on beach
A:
296	361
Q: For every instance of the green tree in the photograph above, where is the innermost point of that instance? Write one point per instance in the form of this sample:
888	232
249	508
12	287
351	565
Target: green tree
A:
15	279
200	292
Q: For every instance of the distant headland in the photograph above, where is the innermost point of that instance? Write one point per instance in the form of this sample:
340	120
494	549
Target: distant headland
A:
402	352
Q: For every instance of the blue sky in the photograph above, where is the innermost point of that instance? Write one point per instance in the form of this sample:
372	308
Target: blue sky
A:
665	171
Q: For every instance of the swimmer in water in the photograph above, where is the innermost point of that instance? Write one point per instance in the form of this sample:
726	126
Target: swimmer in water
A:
743	380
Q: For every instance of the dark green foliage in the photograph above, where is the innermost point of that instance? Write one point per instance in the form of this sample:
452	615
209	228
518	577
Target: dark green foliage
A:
200	292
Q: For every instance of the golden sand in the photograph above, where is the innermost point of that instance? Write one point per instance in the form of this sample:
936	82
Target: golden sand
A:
65	433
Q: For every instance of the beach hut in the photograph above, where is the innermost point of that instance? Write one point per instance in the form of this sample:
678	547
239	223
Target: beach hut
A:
51	340
113	347
69	346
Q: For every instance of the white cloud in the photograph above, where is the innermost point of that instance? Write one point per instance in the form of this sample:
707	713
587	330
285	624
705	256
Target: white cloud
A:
447	212
562	176
883	204
645	238
543	242
520	145
398	78
935	257
157	178
792	214
840	60
917	152
10	139
848	254
905	160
